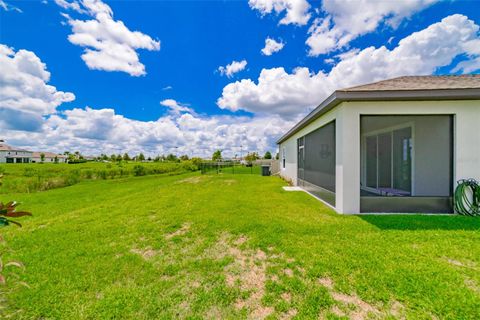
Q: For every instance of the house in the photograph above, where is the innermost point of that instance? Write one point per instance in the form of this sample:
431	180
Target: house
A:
9	154
398	145
49	157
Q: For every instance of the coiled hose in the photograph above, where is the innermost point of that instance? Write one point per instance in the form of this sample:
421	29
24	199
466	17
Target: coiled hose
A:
467	197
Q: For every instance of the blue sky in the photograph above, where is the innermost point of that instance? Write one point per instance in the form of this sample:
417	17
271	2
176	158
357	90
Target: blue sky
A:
106	105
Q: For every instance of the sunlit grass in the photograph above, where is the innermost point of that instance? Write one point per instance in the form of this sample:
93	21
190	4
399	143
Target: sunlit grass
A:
185	246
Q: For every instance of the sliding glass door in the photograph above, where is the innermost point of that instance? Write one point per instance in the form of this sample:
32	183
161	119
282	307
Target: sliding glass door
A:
388	161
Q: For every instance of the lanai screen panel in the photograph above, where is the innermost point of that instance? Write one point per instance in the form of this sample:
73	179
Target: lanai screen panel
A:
319	165
406	163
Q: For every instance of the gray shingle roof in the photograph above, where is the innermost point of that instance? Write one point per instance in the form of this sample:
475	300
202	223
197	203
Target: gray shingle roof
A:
421	83
431	88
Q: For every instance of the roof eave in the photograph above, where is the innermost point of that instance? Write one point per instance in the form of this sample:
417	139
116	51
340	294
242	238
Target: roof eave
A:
340	96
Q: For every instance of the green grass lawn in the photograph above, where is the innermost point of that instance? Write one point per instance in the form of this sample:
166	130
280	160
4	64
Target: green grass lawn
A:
232	246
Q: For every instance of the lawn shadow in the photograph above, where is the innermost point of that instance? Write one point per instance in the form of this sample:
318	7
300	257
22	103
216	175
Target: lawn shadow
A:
422	222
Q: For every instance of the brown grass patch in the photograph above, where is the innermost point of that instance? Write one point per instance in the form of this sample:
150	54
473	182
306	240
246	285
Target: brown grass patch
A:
326	282
192	180
286	296
353	307
466	264
288	272
248	272
146	253
472	285
289	314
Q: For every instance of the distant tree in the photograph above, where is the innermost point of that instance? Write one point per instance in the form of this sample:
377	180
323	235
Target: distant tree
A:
217	155
126	157
184	157
42	157
119	157
251	157
267	155
104	157
171	158
157	159
277	156
113	157
55	159
149	158
141	157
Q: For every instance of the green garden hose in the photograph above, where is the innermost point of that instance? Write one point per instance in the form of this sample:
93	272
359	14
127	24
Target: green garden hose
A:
467	197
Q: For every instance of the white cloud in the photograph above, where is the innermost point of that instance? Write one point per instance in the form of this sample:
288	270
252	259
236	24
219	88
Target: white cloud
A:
289	94
25	96
277	92
8	7
347	20
176	107
272	46
74	5
29	118
296	10
103	131
472	49
109	44
230	69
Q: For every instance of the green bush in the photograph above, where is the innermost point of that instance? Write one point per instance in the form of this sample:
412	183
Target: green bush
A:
139	170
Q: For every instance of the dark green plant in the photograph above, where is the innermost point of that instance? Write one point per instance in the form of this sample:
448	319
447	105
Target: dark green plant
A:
139	170
8	211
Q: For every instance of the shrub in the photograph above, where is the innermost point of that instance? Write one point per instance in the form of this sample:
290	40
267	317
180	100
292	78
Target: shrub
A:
139	170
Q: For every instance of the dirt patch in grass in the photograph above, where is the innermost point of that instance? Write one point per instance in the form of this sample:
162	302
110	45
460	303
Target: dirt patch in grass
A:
355	308
247	272
288	272
229	181
472	285
146	253
286	296
180	232
326	282
466	264
192	180
289	314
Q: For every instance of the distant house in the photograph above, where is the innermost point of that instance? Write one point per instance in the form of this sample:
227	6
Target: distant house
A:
49	157
397	145
9	154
